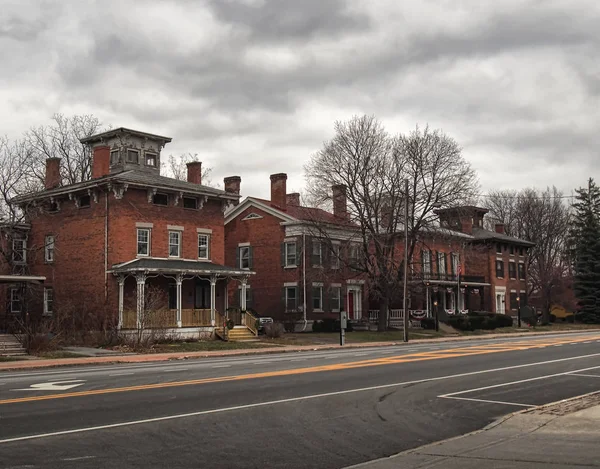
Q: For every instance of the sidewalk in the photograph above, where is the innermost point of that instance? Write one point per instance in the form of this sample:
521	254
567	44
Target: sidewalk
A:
560	435
158	357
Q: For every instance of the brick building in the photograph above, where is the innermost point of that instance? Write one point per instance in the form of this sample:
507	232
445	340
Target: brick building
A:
300	255
104	244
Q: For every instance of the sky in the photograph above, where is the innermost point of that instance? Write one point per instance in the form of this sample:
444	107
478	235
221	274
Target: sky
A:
254	86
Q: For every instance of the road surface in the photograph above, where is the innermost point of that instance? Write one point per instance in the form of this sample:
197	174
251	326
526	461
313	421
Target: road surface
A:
326	409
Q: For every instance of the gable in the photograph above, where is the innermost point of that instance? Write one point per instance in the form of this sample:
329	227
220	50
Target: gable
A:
258	208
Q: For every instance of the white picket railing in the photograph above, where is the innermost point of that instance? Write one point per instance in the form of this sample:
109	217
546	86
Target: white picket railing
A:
396	317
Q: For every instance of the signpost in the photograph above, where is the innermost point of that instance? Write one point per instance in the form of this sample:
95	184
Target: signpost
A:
343	325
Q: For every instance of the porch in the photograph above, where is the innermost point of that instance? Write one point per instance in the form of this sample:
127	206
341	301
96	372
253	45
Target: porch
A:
174	293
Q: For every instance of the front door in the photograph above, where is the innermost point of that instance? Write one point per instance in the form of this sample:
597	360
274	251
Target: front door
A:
500	300
351	304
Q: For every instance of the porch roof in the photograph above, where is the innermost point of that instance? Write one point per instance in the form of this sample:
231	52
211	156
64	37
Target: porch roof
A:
452	283
22	278
162	265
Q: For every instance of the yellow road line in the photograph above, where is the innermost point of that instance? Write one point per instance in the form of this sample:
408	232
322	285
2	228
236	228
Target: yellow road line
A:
409	358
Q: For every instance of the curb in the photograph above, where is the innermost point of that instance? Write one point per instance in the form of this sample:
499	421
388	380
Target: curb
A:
488	427
149	358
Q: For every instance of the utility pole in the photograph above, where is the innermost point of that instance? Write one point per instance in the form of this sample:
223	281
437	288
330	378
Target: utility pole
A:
405	299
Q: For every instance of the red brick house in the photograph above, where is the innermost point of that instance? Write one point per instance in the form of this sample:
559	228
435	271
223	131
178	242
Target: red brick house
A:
106	241
301	270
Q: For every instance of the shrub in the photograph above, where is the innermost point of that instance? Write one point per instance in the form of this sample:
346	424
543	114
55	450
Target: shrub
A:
274	330
479	321
552	317
428	323
317	326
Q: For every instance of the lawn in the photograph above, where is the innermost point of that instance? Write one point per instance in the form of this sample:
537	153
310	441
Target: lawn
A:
206	346
329	338
60	354
11	359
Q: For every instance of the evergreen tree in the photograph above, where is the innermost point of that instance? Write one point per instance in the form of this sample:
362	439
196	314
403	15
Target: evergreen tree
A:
586	252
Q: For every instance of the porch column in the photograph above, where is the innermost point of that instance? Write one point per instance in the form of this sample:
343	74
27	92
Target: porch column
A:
213	283
243	293
226	300
178	282
140	278
427	300
121	281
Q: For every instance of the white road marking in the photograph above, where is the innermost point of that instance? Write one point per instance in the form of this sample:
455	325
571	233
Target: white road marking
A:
175	370
487	401
121	374
54	386
221	366
558	345
79	458
284	401
585	376
588	342
528	380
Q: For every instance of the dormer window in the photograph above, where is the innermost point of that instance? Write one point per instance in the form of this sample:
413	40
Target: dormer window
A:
133	156
190	202
151	160
114	156
160	199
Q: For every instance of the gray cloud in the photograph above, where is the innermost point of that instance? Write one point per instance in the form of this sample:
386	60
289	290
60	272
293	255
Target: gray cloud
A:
254	86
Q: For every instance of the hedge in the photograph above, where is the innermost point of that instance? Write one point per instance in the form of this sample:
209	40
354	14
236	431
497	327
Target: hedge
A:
479	320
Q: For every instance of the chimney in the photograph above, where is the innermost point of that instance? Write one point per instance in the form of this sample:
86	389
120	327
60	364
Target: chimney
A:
52	173
500	228
293	199
194	172
278	190
340	201
101	161
232	184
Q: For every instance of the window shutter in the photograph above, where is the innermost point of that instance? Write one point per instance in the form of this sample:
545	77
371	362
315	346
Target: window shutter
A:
250	257
283	262
296	301
283	299
237	258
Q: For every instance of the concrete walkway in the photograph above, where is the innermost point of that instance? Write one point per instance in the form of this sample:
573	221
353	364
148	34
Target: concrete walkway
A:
157	357
558	436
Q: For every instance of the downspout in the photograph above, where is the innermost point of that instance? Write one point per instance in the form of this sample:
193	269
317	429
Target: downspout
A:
304	278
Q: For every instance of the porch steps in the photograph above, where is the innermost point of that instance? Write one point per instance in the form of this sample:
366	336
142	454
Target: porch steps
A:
242	334
10	346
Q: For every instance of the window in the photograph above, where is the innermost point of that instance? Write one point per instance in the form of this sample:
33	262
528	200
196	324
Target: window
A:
84	201
455	263
353	256
441	256
513	300
511	250
49	248
426	259
289	254
15	300
151	159
19	251
499	268
317	253
523	299
317	298
244	257
335	256
521	271
133	156
143	242
114	156
190	202
512	270
203	246
174	244
291	298
336	299
160	199
499	248
48	300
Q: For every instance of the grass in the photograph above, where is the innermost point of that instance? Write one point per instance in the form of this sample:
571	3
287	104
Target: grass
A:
206	346
329	338
11	359
60	354
525	328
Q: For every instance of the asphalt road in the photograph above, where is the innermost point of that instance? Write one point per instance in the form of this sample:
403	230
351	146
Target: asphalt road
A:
327	409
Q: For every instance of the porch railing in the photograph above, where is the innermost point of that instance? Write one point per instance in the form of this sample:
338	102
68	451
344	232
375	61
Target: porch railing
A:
194	317
168	319
396	317
250	322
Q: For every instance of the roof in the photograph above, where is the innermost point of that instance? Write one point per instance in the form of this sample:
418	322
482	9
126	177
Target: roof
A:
463	208
138	178
160	265
482	234
122	130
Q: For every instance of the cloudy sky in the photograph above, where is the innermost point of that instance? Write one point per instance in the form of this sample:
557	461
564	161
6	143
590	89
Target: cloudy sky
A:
254	86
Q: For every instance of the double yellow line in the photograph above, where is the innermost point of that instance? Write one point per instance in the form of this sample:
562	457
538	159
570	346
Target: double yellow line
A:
415	357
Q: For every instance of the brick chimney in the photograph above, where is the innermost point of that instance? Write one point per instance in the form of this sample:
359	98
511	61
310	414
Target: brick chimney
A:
293	199
500	228
52	179
278	190
340	201
194	172
232	184
101	161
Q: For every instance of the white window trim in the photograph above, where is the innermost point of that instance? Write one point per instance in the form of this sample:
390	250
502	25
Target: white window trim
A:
335	256
137	241
127	156
515	272
24	241
241	248
286	244
207	236
317	284
287	289
320	287
175	228
18	301
207	231
178	244
46	312
144	225
312	254
338	287
47	249
290	284
152	154
241	245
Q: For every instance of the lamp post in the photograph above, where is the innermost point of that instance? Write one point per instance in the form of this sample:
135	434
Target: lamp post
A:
519	311
405	298
435	311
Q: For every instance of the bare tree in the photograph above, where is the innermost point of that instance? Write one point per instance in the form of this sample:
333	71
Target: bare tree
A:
61	140
176	167
373	166
540	217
